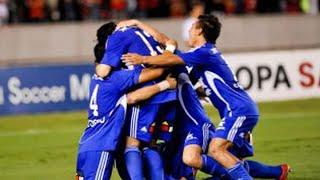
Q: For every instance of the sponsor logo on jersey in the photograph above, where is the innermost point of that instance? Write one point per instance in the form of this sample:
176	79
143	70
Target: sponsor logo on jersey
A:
94	122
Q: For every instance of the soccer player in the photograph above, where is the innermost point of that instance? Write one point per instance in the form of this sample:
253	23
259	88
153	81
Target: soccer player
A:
141	118
106	116
193	132
106	113
238	112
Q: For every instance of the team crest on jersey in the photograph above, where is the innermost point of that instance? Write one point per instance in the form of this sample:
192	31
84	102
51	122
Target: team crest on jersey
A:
214	50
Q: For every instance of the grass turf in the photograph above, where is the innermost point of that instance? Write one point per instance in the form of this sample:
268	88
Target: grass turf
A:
44	146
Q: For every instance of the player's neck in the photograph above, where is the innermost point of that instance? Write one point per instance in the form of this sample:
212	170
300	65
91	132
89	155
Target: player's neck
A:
200	42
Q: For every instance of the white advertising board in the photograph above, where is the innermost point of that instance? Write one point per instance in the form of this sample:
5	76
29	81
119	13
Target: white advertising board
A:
278	75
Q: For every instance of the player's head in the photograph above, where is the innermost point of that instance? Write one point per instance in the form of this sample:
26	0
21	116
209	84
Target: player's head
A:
197	8
102	35
207	27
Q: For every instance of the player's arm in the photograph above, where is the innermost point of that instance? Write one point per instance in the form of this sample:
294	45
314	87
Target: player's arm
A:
160	37
149	74
103	70
198	57
116	45
165	59
149	91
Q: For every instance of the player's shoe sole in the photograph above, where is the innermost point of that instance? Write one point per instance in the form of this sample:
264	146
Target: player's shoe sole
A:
285	170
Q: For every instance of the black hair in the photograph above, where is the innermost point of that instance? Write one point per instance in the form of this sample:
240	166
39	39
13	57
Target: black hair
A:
102	35
210	26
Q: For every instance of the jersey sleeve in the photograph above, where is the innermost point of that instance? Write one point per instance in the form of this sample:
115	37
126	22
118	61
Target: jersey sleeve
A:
125	79
197	57
116	45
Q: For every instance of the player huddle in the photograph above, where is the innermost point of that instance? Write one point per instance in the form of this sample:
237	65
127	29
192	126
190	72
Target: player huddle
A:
145	114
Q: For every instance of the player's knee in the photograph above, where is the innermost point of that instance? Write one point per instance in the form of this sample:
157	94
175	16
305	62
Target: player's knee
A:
192	159
132	142
217	147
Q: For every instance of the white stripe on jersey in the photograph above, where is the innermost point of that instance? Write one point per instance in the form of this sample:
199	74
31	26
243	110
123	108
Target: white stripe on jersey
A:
210	76
146	42
180	84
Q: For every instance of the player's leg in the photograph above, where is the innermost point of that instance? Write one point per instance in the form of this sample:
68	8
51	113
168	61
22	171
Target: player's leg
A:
161	131
194	152
120	160
139	127
259	170
177	168
95	165
133	159
230	133
153	163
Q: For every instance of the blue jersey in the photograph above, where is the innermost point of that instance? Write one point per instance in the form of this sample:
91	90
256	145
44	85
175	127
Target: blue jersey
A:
107	108
190	113
134	40
220	83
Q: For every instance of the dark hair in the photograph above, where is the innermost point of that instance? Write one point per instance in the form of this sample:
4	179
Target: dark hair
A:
210	26
102	35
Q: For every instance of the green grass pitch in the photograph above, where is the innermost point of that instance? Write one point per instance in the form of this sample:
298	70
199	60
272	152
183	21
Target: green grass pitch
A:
44	147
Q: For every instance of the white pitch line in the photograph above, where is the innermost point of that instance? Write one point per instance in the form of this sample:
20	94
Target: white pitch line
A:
31	132
289	115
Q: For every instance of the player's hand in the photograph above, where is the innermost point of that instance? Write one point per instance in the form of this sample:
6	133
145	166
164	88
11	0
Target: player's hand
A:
125	23
132	59
172	81
172	42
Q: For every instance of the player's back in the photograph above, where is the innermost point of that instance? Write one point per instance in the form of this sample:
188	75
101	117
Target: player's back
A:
107	109
190	112
103	97
135	40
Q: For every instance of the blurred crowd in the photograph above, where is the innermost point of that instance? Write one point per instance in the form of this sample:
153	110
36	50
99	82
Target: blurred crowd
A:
16	11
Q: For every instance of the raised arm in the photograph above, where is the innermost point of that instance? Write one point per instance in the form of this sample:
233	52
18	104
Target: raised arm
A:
149	91
160	37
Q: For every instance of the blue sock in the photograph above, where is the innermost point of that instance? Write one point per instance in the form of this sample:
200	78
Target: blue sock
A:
212	167
259	170
121	167
133	160
239	172
154	164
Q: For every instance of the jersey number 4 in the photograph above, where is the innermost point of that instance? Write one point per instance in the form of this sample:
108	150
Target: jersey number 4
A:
93	101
